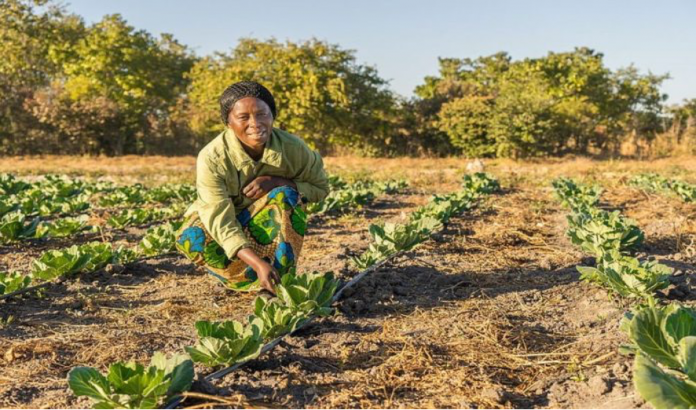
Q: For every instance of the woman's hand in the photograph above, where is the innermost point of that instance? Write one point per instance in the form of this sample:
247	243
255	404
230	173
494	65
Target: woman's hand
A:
260	186
267	275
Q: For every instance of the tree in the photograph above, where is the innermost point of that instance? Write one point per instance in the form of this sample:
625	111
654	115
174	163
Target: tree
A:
563	102
28	41
322	94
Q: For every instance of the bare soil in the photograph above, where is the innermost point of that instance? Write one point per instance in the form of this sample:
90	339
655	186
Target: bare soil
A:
489	313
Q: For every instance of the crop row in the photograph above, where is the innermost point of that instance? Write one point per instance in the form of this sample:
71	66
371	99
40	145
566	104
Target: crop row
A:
662	185
60	195
16	226
89	257
662	338
610	238
300	298
344	196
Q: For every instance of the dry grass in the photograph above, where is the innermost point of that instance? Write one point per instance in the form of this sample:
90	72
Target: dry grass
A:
489	314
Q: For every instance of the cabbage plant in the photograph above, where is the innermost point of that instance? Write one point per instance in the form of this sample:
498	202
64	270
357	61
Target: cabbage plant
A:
310	293
159	239
599	232
664	341
61	228
578	197
12	282
131	385
15	226
226	343
626	276
276	319
480	183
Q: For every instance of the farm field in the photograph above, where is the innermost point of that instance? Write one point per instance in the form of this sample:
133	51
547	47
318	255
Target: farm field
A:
490	312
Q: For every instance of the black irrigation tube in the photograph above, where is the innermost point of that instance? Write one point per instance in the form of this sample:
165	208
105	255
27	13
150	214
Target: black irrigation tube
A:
176	400
273	343
61	279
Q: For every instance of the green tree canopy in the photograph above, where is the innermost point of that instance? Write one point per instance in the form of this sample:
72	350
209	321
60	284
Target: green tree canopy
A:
563	102
322	94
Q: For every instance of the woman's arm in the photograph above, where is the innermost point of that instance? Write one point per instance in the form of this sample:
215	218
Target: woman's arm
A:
311	180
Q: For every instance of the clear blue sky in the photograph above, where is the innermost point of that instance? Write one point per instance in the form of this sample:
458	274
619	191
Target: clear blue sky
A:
403	38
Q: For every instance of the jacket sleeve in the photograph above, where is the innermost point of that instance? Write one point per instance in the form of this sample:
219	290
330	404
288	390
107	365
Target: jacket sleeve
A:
311	180
216	210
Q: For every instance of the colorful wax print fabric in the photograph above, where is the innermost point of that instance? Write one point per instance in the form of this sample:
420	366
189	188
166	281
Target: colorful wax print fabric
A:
275	225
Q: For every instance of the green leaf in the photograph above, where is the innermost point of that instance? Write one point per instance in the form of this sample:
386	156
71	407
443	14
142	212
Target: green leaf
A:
687	356
660	389
87	381
646	332
678	324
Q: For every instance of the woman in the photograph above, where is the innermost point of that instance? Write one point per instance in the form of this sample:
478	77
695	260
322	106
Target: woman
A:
253	182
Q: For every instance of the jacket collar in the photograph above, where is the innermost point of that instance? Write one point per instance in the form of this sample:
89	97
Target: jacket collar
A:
272	153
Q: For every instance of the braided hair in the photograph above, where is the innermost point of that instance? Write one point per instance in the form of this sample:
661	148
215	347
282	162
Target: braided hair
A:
244	89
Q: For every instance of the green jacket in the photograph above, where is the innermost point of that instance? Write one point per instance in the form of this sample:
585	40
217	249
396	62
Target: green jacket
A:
223	169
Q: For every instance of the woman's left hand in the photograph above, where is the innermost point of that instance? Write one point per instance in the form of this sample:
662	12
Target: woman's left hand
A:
263	185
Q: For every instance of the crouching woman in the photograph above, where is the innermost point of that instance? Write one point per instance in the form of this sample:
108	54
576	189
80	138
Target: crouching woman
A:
253	181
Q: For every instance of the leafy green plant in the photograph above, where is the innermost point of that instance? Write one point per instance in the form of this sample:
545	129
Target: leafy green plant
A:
7	205
168	193
159	239
403	237
124	255
132	386
100	254
336	182
75	259
443	207
54	263
659	184
480	183
10	185
342	200
650	182
129	217
128	195
598	232
61	228
14	226
684	190
626	276
309	293
664	341
12	282
276	319
578	197
355	195
390	238
226	343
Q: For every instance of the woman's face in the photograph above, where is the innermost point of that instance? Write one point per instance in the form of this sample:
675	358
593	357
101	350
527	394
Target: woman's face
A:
252	121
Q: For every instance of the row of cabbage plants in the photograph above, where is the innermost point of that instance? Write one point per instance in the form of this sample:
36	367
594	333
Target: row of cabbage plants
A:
16	226
673	187
300	298
86	258
61	195
662	338
611	238
344	196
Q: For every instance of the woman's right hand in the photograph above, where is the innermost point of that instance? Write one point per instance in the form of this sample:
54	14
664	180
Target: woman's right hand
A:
268	276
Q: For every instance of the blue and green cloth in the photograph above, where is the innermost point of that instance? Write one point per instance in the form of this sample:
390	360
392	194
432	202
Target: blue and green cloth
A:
274	226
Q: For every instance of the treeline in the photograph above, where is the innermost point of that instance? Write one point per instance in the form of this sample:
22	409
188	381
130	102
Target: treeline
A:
71	88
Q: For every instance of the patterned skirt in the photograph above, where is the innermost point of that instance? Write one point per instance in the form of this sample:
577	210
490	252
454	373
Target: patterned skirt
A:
275	226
